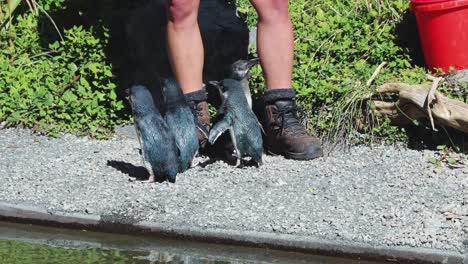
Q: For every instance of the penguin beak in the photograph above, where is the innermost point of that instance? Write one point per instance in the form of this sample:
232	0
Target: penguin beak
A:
253	62
217	85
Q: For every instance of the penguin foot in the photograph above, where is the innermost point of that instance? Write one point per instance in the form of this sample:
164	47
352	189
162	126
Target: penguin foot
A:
151	179
253	163
249	163
194	163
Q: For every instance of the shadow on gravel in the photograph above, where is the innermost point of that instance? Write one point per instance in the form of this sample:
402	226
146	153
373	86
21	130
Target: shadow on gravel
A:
223	152
140	173
423	137
206	163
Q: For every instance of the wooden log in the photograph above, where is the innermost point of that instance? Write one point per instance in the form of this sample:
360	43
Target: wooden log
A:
414	103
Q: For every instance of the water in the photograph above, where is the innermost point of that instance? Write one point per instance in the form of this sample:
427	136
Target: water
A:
27	244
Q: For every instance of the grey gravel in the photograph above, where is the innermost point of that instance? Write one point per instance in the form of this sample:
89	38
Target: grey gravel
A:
458	76
385	195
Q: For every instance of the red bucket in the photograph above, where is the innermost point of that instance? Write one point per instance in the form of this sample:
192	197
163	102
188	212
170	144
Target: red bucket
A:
443	29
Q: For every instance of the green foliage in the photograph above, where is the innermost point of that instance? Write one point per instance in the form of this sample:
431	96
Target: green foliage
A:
338	45
50	4
65	87
448	157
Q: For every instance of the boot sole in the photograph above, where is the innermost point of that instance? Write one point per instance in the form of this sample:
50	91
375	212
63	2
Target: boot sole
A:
297	156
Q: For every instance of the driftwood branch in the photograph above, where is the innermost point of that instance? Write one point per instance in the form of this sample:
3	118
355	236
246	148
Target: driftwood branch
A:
431	97
376	72
422	101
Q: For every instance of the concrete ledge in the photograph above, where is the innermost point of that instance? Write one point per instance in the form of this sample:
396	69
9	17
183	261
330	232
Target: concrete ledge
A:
32	215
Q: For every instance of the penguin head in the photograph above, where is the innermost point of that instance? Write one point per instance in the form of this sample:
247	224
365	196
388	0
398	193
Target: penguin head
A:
141	100
173	95
240	69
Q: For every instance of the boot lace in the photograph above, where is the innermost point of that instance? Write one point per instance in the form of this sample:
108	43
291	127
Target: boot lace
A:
196	111
290	121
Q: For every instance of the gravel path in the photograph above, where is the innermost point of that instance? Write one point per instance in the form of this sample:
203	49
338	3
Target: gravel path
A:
381	196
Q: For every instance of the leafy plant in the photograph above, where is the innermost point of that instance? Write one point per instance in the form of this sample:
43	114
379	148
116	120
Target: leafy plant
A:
446	156
66	87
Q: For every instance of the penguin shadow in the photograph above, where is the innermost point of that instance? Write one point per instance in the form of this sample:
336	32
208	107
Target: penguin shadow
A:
223	150
230	160
137	172
204	164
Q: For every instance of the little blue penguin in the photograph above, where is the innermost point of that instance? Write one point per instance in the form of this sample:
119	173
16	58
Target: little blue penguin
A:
239	119
182	123
160	154
240	71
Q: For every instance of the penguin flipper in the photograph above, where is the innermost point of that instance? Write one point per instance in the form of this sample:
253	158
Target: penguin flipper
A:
219	129
261	127
144	149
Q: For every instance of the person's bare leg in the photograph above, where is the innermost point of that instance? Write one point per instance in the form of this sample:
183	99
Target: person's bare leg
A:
186	55
275	42
185	45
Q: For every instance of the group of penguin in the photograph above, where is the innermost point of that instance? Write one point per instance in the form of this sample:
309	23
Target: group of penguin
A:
165	124
169	140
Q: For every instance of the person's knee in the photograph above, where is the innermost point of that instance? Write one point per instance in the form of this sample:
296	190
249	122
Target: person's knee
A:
272	10
183	12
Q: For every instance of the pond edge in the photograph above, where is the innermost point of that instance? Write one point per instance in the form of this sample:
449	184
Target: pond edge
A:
305	244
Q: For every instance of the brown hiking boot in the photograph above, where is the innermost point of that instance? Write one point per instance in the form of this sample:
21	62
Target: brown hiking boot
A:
200	111
199	107
286	136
